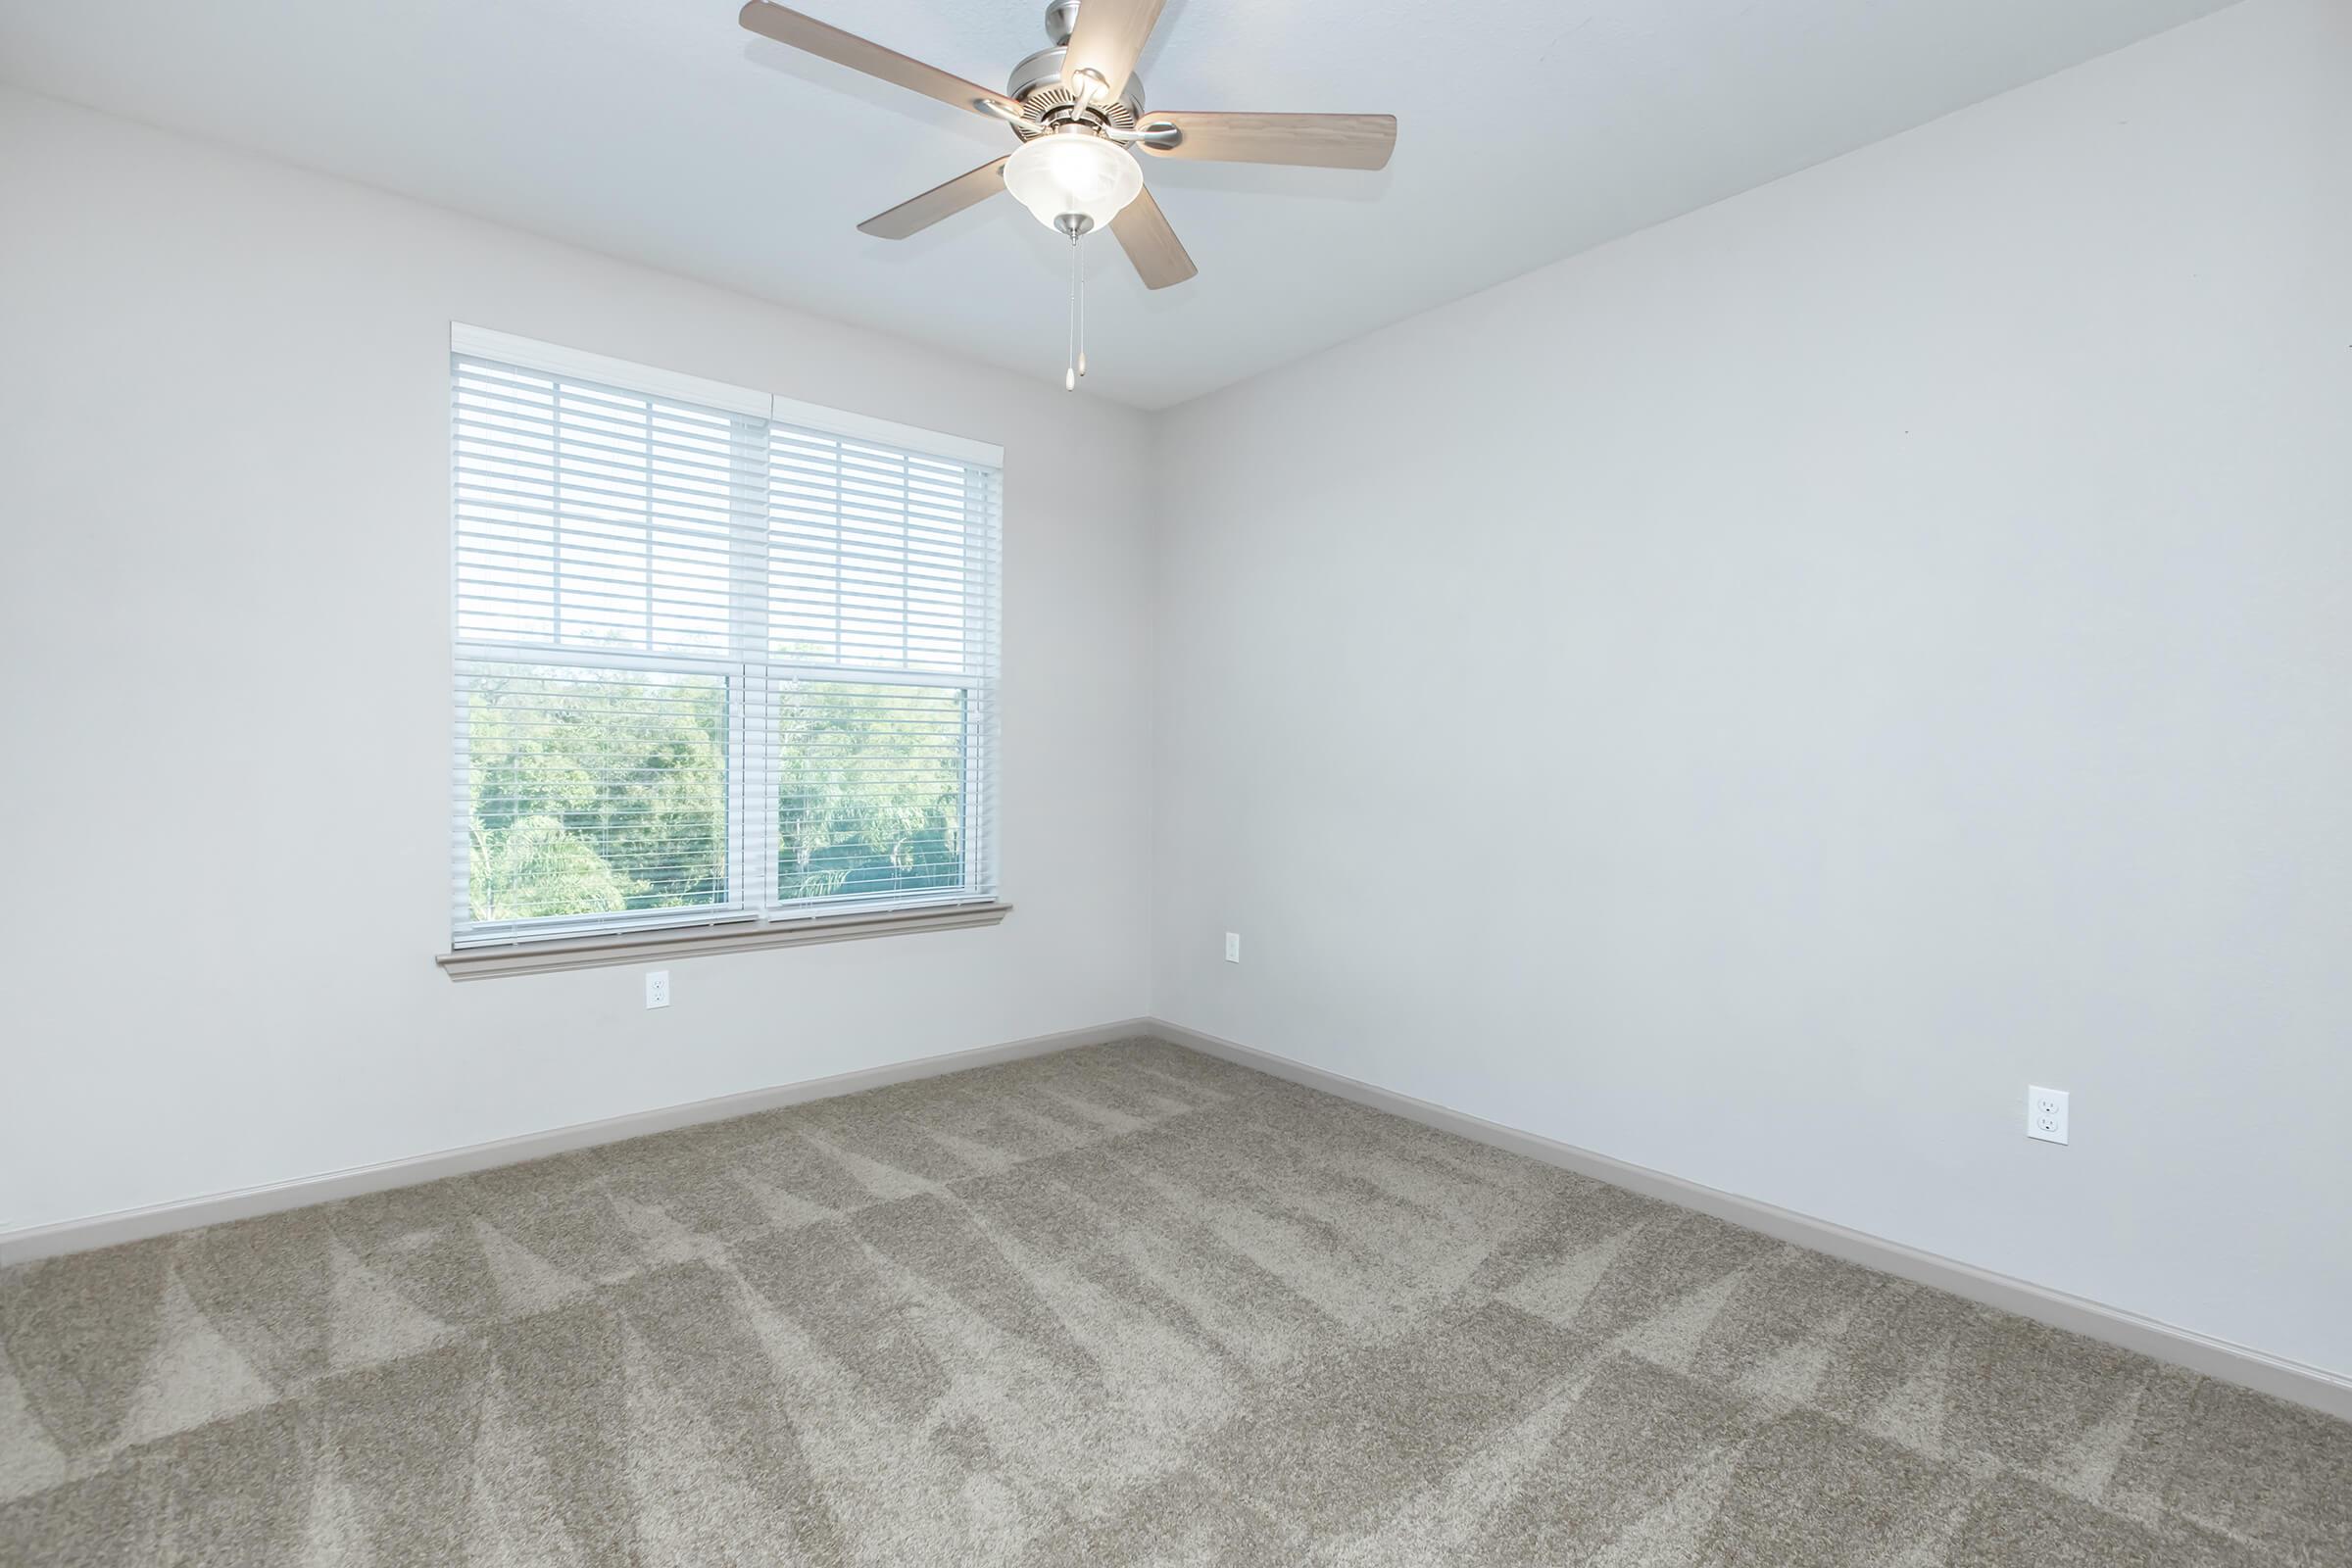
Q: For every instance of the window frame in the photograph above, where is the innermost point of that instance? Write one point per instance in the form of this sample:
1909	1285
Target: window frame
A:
753	913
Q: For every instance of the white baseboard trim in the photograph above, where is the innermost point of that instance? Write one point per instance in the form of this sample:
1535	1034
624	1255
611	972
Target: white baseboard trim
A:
161	1219
2316	1387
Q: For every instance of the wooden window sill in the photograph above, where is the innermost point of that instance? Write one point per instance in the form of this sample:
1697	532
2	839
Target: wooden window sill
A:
550	957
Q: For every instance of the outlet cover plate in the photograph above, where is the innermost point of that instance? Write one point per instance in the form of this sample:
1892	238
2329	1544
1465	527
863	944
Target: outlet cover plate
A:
2046	1115
656	989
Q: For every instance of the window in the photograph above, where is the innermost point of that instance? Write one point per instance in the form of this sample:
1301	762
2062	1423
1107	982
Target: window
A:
720	659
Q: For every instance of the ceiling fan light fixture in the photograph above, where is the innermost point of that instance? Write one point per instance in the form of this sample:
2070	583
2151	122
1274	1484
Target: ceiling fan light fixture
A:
1073	174
1077	107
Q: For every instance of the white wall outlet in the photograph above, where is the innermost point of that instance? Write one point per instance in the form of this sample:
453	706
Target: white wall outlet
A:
656	989
2046	1115
1233	947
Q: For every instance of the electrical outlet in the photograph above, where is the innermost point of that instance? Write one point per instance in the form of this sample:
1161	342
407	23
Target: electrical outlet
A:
2046	1115
656	989
1233	947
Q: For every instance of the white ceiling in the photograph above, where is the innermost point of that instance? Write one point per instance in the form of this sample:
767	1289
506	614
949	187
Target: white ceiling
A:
660	130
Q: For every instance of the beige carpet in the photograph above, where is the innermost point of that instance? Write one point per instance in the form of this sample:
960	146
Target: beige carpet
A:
1125	1305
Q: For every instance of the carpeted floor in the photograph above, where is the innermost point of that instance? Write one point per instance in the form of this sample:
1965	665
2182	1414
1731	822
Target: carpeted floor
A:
1125	1305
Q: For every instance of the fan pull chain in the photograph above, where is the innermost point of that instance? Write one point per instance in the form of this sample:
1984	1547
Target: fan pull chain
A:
1077	366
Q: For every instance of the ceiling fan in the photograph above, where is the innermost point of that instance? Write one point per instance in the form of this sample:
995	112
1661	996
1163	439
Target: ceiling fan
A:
1077	107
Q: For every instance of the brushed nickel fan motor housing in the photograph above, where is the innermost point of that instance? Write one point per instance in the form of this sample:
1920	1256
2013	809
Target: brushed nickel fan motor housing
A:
1036	84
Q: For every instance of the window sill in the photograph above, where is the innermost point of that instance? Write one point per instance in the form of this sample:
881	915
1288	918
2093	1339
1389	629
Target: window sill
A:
699	942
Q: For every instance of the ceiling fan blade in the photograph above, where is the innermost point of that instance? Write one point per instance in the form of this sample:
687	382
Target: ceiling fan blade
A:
847	49
940	200
1312	141
1142	232
1106	39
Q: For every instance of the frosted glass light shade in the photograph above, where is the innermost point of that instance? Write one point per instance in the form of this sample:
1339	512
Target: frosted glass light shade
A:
1072	171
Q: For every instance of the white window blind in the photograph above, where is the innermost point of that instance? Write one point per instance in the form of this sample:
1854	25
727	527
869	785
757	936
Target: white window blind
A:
712	665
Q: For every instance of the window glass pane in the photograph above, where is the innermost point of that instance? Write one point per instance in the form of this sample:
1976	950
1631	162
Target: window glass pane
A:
873	555
598	519
872	790
594	792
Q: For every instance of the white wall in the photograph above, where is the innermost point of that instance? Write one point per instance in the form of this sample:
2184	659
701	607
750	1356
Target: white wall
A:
223	466
1751	698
